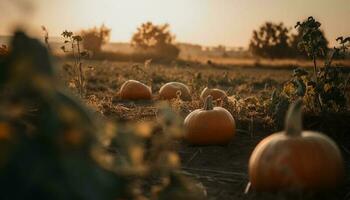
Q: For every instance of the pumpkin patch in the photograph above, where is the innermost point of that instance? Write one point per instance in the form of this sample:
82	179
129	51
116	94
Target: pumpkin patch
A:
92	129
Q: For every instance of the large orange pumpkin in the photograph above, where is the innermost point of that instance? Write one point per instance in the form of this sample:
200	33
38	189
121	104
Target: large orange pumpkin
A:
295	159
135	90
173	89
215	93
210	125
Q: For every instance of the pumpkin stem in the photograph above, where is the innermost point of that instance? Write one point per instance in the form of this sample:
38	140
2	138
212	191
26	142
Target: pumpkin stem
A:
178	94
293	119
208	103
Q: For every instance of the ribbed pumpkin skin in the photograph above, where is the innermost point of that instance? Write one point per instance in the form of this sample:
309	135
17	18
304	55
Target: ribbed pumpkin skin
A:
215	93
169	91
135	90
311	161
209	127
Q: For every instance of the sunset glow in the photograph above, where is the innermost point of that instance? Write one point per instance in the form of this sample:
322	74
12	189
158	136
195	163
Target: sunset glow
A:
207	22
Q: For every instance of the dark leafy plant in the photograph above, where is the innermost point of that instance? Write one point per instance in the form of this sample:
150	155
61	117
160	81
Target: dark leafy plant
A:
324	90
74	43
94	38
312	40
3	53
46	136
327	94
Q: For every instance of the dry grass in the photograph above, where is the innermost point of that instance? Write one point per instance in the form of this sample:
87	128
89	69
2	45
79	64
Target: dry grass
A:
276	63
249	89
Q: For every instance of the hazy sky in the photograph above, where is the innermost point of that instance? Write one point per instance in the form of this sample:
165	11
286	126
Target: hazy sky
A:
207	22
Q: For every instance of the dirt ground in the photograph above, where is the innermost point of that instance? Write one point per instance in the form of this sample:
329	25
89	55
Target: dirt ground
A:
221	169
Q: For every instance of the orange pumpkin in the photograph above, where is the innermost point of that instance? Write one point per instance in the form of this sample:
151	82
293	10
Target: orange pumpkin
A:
173	89
135	90
215	93
295	159
210	125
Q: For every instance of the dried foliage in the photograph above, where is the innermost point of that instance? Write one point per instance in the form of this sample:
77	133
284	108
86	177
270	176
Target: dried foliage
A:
74	47
53	148
325	90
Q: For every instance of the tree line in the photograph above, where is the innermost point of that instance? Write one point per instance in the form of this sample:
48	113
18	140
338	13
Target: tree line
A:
270	40
275	40
151	39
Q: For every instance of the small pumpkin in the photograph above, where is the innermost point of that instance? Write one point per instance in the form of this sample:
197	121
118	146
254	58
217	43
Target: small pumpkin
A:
295	159
210	125
171	91
215	93
135	90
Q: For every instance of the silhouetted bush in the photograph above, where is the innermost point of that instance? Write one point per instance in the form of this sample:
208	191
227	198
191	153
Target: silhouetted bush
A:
94	38
155	40
271	41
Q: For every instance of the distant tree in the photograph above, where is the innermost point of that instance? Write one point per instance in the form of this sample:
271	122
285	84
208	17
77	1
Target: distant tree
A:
156	39
221	48
270	41
94	38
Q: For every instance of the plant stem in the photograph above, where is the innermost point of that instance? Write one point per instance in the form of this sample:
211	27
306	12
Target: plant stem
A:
73	51
315	67
346	84
316	81
208	103
81	81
